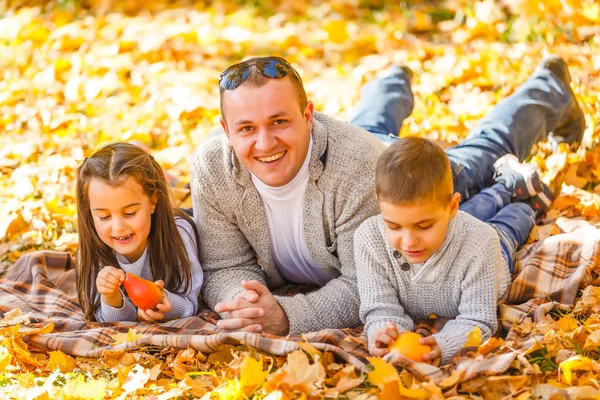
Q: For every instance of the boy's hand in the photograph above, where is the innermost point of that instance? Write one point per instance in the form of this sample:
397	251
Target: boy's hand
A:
382	339
161	309
108	283
433	357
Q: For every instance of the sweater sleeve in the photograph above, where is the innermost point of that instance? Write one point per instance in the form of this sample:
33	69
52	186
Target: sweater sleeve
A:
477	306
106	313
226	256
186	305
335	305
379	303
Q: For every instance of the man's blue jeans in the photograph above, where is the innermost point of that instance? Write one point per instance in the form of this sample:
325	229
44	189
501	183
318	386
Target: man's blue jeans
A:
513	126
512	221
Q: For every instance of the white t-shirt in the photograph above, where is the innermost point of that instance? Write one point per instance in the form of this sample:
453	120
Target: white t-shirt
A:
283	209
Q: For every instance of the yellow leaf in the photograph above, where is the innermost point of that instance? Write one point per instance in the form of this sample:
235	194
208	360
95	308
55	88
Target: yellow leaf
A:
136	379
490	345
231	391
474	338
336	30
5	358
62	361
577	362
79	389
571	177
591	11
382	373
385	376
130	336
252	375
310	349
451	380
593	340
421	22
14	317
301	374
29	331
567	324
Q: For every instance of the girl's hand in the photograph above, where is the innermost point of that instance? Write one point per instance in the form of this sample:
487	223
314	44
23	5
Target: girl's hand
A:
108	283
161	309
433	357
382	339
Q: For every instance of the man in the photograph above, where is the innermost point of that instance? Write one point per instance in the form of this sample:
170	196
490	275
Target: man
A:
280	191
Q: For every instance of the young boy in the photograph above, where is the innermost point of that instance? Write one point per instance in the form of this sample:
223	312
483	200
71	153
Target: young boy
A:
422	255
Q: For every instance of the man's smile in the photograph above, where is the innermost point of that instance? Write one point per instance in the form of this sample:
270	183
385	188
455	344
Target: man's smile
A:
271	158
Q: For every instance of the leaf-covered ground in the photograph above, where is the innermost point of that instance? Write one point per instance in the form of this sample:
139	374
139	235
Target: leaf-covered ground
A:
74	75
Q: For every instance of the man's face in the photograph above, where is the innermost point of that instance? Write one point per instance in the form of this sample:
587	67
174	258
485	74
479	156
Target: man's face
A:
418	230
267	129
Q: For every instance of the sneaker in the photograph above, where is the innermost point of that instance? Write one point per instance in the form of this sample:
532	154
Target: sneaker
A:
541	201
571	127
520	179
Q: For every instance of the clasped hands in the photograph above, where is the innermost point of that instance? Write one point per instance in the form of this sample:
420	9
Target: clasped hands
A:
255	309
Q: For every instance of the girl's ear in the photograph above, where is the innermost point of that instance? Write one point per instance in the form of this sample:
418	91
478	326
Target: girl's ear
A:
153	201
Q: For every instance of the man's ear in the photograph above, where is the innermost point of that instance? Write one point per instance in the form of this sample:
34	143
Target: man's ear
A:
225	128
309	114
454	203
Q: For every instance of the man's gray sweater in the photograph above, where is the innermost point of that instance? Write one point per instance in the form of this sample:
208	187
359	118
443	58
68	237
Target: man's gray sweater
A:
235	243
462	280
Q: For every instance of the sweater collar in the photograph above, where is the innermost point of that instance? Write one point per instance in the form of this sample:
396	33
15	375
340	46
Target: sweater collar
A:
318	155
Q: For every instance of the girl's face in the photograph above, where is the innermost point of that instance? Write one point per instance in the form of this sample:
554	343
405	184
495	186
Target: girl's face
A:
122	215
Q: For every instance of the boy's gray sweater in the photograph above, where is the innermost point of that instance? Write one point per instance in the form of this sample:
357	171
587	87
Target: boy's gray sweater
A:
462	280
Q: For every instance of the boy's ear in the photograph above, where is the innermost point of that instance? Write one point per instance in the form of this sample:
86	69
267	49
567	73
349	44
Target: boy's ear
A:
454	203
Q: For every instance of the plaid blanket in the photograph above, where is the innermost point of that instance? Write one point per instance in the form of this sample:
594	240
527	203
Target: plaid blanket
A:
547	272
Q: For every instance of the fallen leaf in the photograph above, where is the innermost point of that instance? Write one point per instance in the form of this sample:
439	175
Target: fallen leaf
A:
130	336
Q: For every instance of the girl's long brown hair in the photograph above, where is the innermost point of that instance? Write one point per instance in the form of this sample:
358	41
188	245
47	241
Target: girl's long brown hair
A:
169	260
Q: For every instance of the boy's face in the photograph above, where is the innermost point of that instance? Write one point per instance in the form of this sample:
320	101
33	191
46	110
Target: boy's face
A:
418	230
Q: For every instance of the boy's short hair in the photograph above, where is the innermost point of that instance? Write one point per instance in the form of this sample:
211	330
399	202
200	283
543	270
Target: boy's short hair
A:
411	170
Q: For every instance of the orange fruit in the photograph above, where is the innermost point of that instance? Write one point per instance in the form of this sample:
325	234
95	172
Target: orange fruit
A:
408	345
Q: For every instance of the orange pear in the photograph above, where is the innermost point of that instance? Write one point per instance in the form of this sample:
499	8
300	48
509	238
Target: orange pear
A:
408	345
143	293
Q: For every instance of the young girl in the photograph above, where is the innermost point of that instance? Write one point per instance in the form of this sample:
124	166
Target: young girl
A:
126	224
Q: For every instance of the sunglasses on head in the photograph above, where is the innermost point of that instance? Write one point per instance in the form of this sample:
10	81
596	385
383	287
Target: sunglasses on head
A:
271	67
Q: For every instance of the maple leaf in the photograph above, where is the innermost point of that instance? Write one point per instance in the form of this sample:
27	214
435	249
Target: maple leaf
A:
58	359
300	375
252	375
130	336
589	301
474	338
577	362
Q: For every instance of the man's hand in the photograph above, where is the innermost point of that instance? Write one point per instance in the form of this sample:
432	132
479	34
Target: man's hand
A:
382	339
161	309
433	357
263	315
